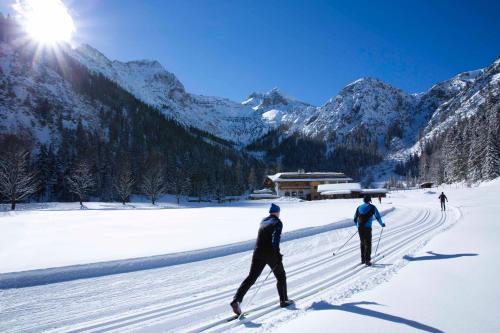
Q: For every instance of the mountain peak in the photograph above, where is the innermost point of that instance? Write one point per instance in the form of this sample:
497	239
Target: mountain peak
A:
368	81
89	52
146	63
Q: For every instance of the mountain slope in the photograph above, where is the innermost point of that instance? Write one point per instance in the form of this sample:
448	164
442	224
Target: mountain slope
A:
366	112
151	83
65	115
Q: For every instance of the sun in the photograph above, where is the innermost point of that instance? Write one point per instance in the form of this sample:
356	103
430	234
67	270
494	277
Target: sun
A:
46	21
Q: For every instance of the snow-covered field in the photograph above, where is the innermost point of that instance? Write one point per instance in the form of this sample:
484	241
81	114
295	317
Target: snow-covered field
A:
62	235
450	289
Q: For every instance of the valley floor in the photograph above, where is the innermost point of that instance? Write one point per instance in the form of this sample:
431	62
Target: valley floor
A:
436	273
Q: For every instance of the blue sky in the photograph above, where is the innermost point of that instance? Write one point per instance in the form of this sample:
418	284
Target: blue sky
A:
308	49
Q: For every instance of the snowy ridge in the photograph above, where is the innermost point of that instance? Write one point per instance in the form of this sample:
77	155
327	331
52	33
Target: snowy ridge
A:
472	91
151	83
68	273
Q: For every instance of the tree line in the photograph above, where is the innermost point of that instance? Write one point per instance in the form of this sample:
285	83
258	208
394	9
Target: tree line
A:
467	151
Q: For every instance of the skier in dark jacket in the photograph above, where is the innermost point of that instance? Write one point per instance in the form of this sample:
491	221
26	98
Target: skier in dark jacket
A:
442	198
363	220
266	252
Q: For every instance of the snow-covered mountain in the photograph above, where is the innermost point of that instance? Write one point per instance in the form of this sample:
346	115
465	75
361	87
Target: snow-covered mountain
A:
472	91
366	111
366	108
25	92
154	85
276	108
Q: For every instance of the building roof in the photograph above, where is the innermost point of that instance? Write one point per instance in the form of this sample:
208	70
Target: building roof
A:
307	176
263	196
263	191
336	192
347	188
339	187
374	190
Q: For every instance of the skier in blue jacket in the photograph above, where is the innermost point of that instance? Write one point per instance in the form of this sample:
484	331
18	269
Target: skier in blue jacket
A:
363	220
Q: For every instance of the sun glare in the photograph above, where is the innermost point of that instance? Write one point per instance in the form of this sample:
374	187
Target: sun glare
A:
46	21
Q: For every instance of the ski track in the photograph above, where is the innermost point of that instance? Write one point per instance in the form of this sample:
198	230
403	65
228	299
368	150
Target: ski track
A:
194	297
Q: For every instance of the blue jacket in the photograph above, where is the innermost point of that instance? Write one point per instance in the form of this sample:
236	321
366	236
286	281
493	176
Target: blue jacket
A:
364	209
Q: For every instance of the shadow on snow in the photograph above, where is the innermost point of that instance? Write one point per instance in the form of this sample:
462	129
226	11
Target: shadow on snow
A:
438	256
355	307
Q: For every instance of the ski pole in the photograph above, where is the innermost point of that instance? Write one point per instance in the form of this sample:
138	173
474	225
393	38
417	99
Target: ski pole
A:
376	249
256	291
346	242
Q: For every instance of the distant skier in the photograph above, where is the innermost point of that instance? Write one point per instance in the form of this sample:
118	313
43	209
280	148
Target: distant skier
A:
442	198
363	220
266	252
379	199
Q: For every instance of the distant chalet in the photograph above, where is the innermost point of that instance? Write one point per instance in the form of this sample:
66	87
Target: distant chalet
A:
313	186
303	185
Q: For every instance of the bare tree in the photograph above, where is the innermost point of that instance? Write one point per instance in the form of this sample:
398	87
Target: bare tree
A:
252	180
124	182
153	183
81	181
179	184
17	182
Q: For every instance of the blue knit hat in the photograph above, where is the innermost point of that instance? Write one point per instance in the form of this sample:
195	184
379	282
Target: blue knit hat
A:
274	209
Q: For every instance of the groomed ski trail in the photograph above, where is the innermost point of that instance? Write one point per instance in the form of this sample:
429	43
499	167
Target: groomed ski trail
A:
194	297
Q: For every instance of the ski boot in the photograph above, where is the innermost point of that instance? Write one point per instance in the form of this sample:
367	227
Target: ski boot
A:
287	303
235	305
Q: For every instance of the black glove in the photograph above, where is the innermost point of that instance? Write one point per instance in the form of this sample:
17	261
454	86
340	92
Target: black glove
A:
279	256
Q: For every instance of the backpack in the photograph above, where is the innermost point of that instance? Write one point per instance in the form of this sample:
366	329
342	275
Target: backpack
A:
363	218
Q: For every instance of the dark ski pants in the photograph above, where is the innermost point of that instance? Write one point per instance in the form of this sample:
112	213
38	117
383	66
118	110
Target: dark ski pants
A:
443	205
365	237
258	264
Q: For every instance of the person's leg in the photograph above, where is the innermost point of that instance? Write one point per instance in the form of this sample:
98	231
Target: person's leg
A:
368	246
280	274
256	268
362	243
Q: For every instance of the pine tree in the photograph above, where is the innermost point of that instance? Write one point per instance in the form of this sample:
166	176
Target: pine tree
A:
491	164
476	151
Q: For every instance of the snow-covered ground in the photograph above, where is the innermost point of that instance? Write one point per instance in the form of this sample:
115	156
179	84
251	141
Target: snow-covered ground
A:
61	235
450	289
444	287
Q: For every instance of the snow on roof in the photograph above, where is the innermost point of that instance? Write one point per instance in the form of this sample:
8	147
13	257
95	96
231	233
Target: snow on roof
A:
307	176
264	190
336	192
374	190
339	187
347	188
263	196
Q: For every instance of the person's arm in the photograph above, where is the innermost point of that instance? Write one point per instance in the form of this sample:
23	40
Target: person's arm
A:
446	198
276	237
356	217
378	217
